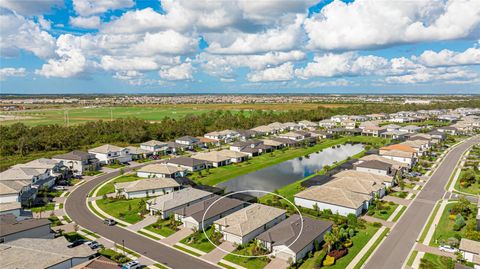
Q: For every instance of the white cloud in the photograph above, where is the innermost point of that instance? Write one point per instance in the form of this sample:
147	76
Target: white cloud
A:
92	22
127	75
11	72
29	8
167	42
280	73
273	39
442	74
333	83
369	24
44	23
71	61
345	64
183	71
90	7
122	63
446	57
19	33
224	65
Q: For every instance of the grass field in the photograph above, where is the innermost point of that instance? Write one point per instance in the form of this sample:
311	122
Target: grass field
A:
150	113
126	210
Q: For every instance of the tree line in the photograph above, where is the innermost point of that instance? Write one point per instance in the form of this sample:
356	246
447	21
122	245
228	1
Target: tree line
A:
21	140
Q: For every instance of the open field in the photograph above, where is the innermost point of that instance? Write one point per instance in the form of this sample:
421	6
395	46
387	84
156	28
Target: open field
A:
151	113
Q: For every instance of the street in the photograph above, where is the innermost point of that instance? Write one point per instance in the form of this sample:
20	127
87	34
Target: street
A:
393	252
78	211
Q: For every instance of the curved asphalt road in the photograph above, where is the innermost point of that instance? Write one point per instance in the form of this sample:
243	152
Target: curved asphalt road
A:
77	210
393	252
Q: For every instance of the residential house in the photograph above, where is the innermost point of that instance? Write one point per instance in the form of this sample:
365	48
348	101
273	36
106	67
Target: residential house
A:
188	163
251	147
411	129
47	171
392	127
292	126
376	116
138	153
164	206
348	124
357	118
146	187
203	213
245	224
215	158
306	124
78	161
437	136
188	141
16	190
11	208
246	134
387	180
339	118
320	134
376	167
156	147
161	171
395	134
274	143
235	156
337	200
207	142
373	157
420	146
108	154
226	135
12	229
293	238
448	130
401	153
470	251
278	127
327	124
375	131
296	136
264	130
43	253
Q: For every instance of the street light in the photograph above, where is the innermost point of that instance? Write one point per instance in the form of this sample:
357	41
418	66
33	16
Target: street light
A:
123	245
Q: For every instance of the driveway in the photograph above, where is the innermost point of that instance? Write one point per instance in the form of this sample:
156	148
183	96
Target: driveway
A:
393	252
76	208
179	235
217	254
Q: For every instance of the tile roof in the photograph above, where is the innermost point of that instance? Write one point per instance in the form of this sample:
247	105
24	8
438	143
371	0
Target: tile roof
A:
75	155
399	147
160	169
147	184
375	164
363	175
106	149
10	225
287	232
370	157
249	219
212	156
177	198
220	205
334	196
470	246
52	251
186	161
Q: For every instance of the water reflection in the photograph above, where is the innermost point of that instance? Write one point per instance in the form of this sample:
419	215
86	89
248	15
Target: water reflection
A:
277	176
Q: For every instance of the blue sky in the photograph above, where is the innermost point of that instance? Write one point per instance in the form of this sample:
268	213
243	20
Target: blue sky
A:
239	46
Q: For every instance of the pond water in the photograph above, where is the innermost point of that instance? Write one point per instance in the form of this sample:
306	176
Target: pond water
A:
282	174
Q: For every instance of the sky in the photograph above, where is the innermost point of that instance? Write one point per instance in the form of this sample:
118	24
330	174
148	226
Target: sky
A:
239	46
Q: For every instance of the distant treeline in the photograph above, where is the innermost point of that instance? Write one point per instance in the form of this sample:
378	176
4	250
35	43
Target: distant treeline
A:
21	140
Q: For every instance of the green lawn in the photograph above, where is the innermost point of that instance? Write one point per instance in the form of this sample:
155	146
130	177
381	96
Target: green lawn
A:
47	207
386	212
399	194
161	227
399	214
309	263
220	174
359	241
126	209
249	263
109	187
412	257
429	223
199	241
115	256
434	261
115	165
444	228
472	189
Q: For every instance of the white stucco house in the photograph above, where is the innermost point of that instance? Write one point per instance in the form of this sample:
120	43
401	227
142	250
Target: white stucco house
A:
146	187
108	154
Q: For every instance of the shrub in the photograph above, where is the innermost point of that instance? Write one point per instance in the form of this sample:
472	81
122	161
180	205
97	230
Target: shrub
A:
377	224
348	243
338	253
459	222
329	261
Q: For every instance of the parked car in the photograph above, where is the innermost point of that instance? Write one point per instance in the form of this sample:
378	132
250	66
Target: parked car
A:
59	188
109	222
447	248
132	265
77	243
93	244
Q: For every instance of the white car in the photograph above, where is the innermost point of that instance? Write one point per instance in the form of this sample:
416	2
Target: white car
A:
59	188
447	248
132	265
